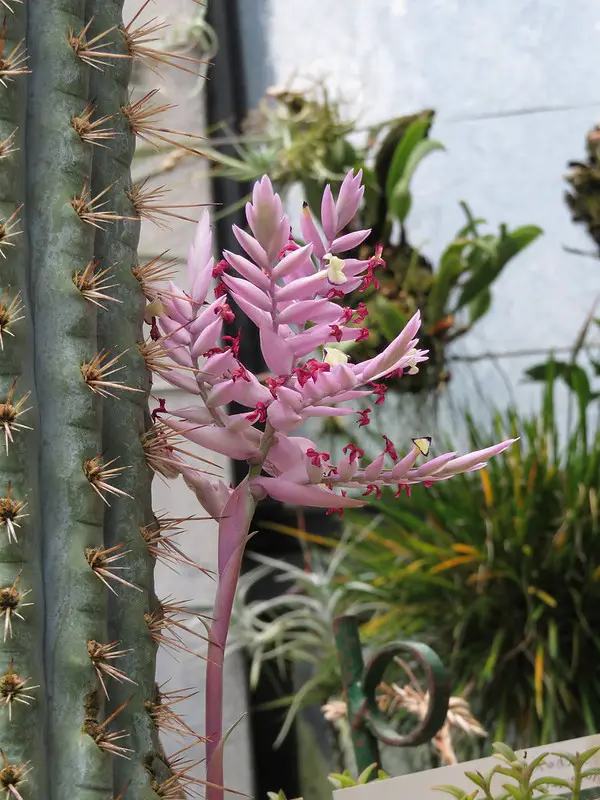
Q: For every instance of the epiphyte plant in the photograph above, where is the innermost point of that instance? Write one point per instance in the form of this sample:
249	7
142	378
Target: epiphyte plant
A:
294	294
79	708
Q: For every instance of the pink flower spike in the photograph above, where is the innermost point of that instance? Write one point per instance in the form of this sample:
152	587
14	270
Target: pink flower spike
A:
310	233
466	462
247	270
386	361
278	355
252	247
200	263
349	241
401	469
178	301
219	440
318	310
212	496
433	465
299	259
208	338
349	198
248	291
282	417
303	288
373	471
206	316
177	353
180	380
329	220
315	496
258	316
267	221
175	331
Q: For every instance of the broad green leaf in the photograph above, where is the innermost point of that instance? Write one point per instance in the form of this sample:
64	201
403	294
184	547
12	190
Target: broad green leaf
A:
415	133
509	245
573	375
480	306
400	200
452	266
513	242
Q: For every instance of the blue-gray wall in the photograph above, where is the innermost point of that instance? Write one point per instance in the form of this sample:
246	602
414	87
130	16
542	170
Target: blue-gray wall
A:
499	75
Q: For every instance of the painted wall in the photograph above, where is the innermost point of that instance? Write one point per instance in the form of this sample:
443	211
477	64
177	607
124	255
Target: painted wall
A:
499	76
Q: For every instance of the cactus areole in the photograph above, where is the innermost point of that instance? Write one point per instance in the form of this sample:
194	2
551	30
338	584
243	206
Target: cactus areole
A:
80	623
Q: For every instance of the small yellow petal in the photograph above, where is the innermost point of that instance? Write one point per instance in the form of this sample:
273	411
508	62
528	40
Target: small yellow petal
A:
335	270
333	356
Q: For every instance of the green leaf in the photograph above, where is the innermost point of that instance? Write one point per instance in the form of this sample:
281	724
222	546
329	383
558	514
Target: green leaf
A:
480	306
508	246
452	266
391	320
415	133
505	752
459	794
400	199
511	244
573	375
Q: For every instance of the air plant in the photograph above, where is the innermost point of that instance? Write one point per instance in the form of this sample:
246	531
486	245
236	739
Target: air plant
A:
77	658
291	293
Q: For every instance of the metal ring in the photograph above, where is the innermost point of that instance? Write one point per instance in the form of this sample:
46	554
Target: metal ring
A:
438	687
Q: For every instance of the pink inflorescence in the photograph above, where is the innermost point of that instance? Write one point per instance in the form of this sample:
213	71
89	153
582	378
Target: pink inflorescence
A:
293	294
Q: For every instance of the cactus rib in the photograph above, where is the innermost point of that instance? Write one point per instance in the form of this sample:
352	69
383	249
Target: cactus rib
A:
126	419
62	240
22	707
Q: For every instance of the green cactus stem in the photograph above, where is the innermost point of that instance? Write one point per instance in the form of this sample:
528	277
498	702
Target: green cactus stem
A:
22	684
127	419
74	475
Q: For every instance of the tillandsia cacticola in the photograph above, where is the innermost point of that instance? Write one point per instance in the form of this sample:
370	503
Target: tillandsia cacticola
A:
80	711
294	293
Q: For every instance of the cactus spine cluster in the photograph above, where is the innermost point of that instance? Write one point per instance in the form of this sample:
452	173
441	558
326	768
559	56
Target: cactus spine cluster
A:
80	621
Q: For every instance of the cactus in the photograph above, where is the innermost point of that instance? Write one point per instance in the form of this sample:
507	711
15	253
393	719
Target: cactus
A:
79	708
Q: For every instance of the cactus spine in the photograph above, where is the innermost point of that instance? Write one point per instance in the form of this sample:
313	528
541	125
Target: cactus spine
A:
78	702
